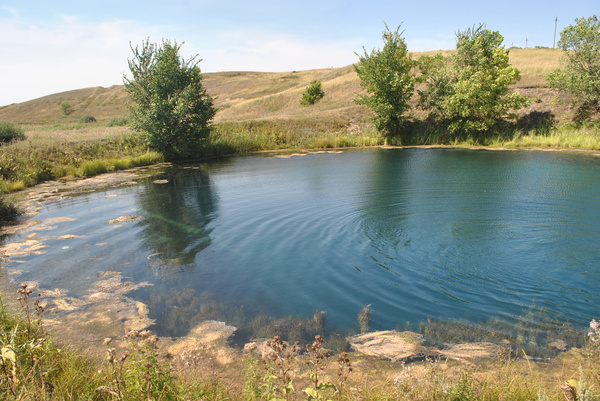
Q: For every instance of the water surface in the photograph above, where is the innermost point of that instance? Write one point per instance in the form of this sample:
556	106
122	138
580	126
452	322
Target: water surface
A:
416	233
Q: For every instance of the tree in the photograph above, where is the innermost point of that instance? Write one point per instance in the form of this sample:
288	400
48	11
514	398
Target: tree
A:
581	75
312	94
385	74
172	111
470	89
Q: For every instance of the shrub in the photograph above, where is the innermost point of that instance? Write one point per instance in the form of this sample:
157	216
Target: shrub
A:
312	94
118	122
8	211
94	167
9	133
86	118
66	108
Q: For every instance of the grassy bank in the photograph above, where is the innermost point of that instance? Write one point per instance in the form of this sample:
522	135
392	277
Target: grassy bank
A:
29	162
34	367
56	153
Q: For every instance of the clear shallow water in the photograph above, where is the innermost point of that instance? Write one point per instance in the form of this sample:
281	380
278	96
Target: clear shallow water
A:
416	233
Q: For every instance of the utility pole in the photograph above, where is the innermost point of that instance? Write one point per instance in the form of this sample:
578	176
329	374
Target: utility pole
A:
555	23
526	43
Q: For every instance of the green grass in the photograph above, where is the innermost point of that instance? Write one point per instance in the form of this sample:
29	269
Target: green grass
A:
28	163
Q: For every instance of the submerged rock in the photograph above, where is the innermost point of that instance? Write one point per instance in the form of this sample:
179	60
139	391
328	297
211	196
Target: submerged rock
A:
207	339
408	347
470	351
125	219
390	345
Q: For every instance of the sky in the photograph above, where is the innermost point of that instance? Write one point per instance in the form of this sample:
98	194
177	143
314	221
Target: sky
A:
48	47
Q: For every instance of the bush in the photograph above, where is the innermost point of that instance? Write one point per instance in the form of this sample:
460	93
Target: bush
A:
86	118
312	94
118	122
8	212
66	108
9	133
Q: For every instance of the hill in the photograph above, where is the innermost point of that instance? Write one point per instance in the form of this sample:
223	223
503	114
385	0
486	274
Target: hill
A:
243	96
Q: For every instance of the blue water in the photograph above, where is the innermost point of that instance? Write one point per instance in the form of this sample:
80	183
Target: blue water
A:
416	233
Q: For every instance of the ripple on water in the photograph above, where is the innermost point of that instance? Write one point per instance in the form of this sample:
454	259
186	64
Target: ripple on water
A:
415	233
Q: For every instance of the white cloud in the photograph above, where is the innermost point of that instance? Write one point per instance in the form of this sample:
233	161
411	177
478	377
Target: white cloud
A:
261	51
12	11
44	58
68	53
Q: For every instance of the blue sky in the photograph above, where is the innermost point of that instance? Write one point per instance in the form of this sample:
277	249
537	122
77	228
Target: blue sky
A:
53	46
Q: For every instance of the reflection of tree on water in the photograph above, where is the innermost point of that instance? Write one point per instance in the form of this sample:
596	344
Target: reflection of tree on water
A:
177	215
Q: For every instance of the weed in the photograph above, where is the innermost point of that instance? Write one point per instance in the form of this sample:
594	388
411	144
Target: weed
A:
364	319
8	211
344	369
94	167
138	373
118	122
320	389
278	364
85	119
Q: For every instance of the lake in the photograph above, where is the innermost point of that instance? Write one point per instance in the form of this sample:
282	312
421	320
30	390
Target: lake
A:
415	233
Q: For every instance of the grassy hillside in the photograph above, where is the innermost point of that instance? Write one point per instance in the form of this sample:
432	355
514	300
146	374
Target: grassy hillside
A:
243	96
256	111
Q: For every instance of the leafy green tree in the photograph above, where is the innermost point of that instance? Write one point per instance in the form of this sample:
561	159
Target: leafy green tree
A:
385	75
172	110
313	93
581	75
470	89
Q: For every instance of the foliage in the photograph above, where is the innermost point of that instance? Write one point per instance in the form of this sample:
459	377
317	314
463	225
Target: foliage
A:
278	381
581	75
28	163
32	367
172	110
469	90
118	122
312	94
139	373
385	74
9	132
8	211
86	118
319	390
66	108
364	319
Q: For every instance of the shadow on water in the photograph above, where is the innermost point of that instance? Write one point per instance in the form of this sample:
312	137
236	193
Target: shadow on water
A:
178	210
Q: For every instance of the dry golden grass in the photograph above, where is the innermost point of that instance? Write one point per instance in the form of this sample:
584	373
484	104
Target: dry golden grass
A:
244	96
535	64
75	133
